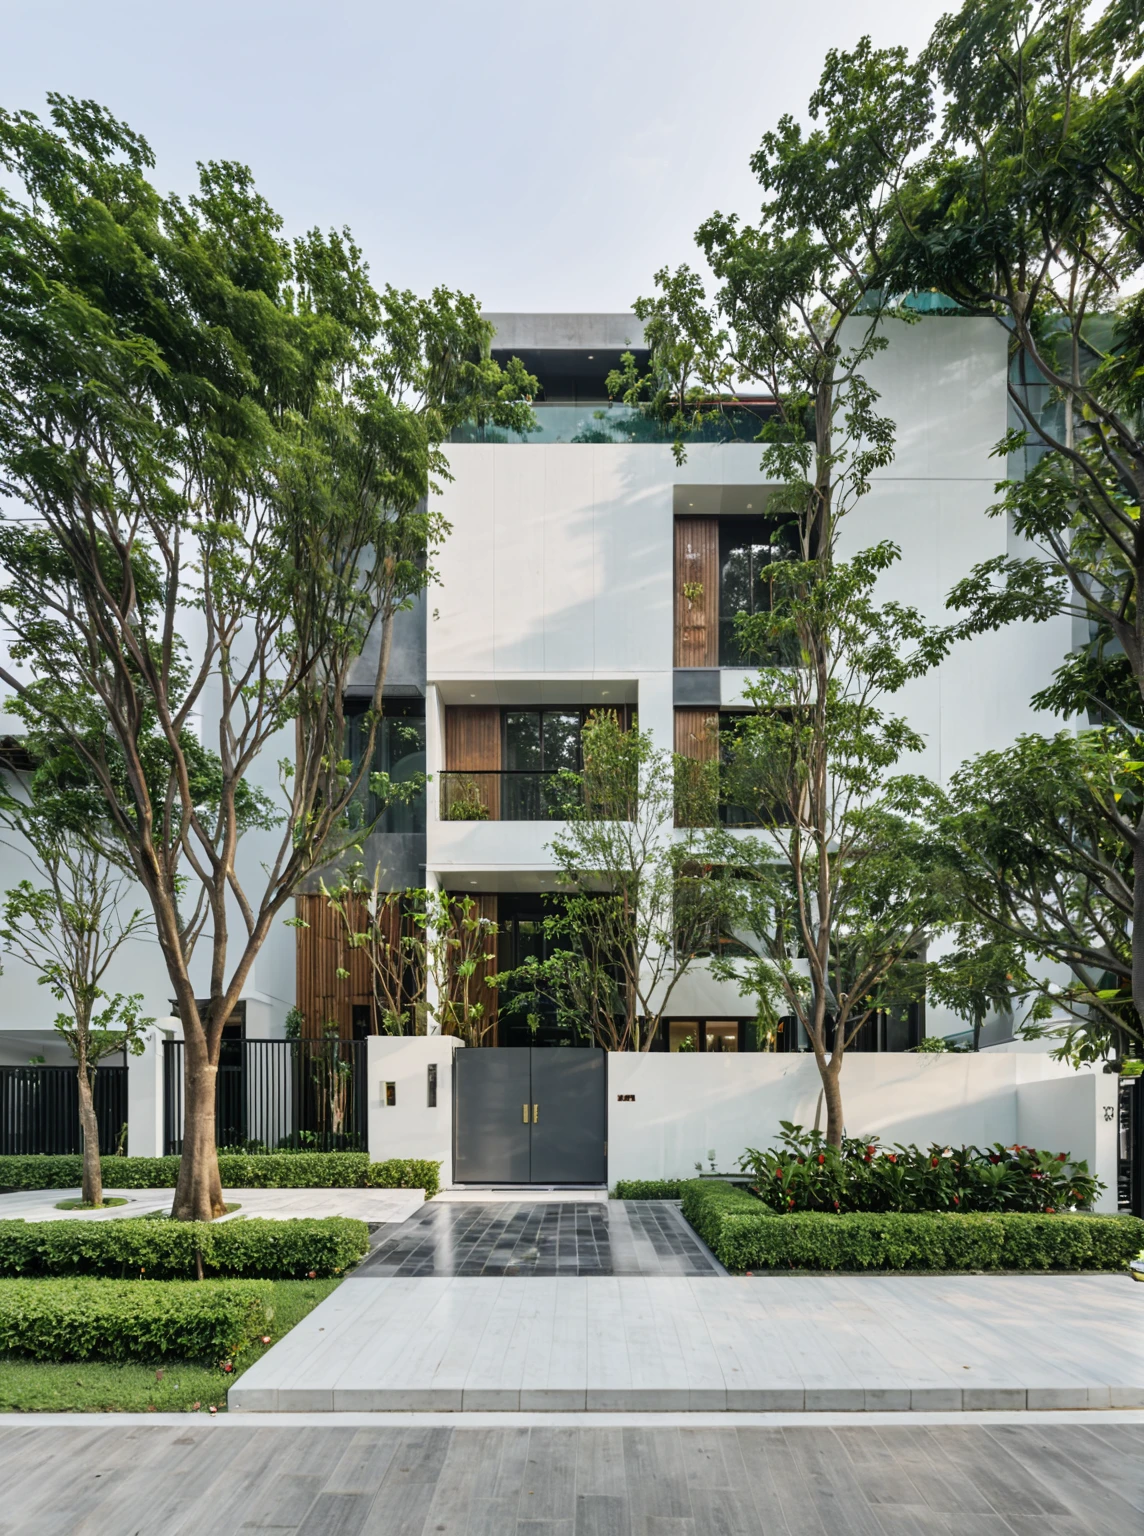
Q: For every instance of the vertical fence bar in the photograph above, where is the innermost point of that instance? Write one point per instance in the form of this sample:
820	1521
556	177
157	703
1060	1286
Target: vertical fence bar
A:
278	1094
1130	1149
39	1109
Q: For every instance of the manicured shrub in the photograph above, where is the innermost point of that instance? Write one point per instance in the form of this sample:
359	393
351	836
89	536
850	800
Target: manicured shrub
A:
270	1250
646	1189
274	1170
131	1319
744	1234
804	1173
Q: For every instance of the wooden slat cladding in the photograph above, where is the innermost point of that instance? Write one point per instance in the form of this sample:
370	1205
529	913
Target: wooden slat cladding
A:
697	778
321	951
696	592
697	734
473	744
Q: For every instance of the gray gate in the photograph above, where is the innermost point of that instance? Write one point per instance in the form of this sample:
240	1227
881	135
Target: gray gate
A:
530	1115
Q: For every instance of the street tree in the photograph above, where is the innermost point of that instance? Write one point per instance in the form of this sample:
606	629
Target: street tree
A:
217	447
1038	838
69	925
1030	210
841	888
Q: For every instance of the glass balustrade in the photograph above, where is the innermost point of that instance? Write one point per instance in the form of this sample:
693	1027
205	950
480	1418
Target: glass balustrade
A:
612	422
503	795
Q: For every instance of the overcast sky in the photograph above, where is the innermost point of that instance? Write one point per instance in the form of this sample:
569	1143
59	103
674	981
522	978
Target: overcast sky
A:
543	156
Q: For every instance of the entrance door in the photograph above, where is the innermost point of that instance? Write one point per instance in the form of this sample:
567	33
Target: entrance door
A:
535	1116
569	1117
493	1116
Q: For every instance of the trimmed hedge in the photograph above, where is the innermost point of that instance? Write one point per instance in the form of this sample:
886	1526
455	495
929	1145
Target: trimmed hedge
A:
744	1234
161	1250
282	1170
646	1189
131	1319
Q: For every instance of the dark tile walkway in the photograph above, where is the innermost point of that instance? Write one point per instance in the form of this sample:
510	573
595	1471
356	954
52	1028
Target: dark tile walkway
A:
622	1237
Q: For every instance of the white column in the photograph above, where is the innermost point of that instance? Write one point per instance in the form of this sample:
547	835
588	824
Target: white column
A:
145	1097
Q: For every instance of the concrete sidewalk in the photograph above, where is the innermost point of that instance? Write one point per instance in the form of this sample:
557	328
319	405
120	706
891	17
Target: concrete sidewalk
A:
796	1343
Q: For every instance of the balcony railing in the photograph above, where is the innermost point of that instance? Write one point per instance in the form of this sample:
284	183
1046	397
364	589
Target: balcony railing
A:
613	422
507	795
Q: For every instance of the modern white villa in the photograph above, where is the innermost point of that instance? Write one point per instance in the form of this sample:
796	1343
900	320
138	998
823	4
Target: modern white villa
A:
559	592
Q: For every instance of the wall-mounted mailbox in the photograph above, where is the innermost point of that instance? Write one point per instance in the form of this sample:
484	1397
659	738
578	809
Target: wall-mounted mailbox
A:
390	1095
625	1098
432	1071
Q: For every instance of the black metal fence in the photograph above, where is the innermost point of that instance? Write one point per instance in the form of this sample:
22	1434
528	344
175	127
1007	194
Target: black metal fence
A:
39	1109
276	1094
1130	1148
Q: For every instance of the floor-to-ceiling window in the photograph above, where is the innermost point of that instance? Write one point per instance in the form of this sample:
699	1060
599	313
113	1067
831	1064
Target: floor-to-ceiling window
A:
399	752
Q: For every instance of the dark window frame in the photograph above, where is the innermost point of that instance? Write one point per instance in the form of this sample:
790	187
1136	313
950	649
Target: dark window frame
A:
735	534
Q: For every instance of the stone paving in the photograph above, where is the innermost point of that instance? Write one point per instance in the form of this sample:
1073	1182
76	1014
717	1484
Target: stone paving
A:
667	1343
536	1237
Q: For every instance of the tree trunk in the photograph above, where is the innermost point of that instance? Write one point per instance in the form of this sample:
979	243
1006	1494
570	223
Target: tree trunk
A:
832	1096
198	1193
92	1190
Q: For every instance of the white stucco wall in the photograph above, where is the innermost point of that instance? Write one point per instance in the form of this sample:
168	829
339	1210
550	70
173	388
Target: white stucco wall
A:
688	1106
409	1127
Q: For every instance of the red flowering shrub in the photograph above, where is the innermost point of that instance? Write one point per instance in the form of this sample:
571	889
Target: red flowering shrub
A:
804	1170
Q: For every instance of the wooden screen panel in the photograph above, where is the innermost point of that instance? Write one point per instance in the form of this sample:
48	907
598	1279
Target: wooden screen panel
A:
473	744
697	734
696	592
321	950
697	787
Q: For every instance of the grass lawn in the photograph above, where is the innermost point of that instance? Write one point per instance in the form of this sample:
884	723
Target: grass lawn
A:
90	1386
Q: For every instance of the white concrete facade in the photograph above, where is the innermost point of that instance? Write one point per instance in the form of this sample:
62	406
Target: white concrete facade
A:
557	587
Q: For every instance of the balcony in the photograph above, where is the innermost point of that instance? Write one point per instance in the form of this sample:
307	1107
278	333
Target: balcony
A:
507	795
613	422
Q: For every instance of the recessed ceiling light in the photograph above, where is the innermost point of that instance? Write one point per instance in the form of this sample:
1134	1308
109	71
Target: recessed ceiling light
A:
748	506
690	503
472	882
604	695
591	357
472	695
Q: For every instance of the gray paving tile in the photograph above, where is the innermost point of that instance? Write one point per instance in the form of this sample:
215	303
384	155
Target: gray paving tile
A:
617	1237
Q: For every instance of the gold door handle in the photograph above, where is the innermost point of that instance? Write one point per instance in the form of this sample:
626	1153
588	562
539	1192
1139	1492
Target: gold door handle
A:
524	1113
535	1113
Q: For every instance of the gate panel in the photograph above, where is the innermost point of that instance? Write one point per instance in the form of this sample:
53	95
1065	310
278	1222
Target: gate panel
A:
569	1090
491	1093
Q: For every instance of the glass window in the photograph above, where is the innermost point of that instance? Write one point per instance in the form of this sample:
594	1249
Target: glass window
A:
722	1034
522	741
561	741
683	1035
748	547
399	751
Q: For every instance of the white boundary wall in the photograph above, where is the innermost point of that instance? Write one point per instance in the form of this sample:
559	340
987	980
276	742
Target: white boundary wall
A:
409	1127
688	1106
